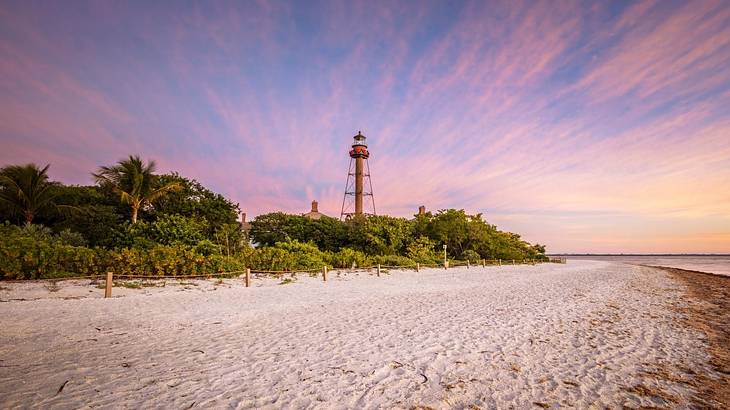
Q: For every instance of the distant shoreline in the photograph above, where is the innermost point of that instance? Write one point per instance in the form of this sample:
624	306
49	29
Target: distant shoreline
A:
718	264
687	271
639	254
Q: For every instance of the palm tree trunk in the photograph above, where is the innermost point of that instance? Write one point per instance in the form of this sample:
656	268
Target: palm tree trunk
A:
135	208
28	218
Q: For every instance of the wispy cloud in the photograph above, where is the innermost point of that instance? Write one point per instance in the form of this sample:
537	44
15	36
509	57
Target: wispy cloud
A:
587	127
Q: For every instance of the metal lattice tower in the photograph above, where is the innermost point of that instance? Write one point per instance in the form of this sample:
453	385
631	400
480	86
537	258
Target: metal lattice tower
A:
356	187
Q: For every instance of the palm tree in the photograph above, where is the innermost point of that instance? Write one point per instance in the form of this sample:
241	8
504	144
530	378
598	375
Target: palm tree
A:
26	191
135	182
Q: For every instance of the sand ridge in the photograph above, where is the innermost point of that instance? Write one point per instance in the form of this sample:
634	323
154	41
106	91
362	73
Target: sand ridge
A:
577	335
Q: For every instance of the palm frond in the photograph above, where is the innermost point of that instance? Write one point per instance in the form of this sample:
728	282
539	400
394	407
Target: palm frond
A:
162	191
68	210
25	189
133	180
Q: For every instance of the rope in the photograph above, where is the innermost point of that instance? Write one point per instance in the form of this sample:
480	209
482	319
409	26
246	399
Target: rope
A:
364	269
279	272
398	267
52	279
207	276
257	272
123	276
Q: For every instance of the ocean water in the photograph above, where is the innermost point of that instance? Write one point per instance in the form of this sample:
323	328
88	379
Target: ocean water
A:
719	264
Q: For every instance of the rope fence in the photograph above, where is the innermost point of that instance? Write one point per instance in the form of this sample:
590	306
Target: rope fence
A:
204	276
110	276
87	277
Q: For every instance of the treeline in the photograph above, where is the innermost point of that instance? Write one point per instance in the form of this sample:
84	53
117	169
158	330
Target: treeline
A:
420	239
136	222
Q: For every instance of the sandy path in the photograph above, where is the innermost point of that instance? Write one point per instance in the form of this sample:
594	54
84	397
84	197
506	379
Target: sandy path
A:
582	334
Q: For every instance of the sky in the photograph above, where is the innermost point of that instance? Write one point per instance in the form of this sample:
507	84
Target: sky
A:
587	126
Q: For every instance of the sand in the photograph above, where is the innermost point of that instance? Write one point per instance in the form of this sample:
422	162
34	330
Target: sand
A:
708	308
584	334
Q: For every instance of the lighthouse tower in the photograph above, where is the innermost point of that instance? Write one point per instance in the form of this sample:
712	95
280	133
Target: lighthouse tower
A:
358	199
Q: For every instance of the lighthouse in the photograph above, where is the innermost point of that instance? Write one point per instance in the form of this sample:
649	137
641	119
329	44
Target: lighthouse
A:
358	198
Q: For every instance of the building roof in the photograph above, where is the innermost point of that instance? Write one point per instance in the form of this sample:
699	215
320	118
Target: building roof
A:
314	213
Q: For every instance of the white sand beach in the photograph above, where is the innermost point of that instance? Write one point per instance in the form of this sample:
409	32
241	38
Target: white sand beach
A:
580	335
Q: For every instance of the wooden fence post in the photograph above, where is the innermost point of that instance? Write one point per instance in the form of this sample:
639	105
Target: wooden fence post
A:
500	262
513	261
109	281
378	270
484	263
468	264
248	277
418	267
324	273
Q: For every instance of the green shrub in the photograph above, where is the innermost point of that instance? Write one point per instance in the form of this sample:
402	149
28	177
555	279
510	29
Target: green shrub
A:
287	256
170	261
422	251
72	238
471	256
345	257
166	230
35	232
393	260
303	255
33	253
207	248
270	258
221	263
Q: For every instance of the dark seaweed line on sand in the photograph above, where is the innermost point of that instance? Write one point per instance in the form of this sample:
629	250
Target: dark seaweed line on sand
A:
708	311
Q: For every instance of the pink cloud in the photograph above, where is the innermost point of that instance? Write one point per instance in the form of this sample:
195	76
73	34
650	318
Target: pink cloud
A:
505	111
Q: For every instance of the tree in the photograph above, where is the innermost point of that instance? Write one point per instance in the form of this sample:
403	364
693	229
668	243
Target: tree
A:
422	224
268	229
327	233
97	213
193	200
167	230
380	235
420	239
135	182
330	234
450	227
422	250
25	191
231	238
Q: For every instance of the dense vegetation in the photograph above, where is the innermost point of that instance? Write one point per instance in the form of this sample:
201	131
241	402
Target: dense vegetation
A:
136	222
419	239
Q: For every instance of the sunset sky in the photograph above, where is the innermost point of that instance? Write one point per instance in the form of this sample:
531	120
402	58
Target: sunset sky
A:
599	127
